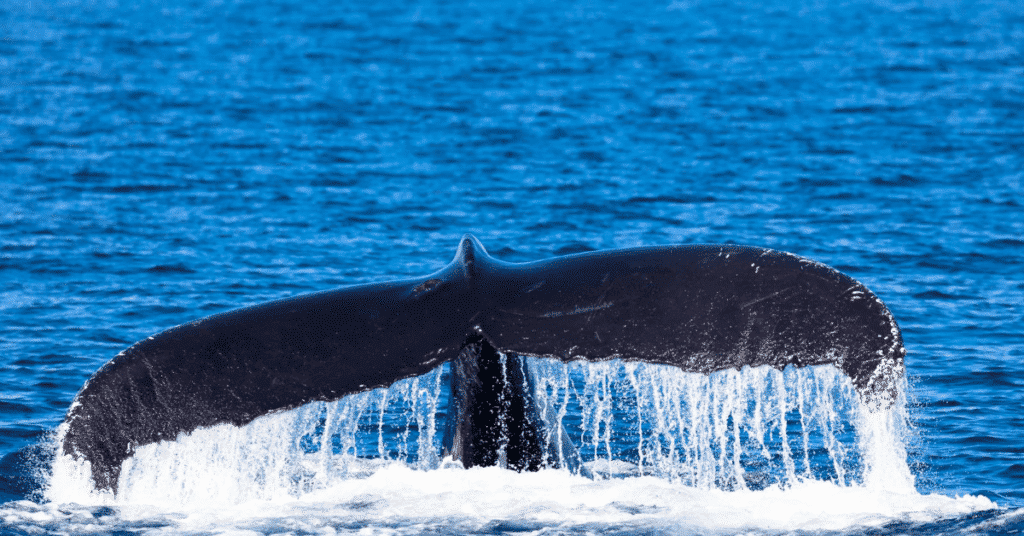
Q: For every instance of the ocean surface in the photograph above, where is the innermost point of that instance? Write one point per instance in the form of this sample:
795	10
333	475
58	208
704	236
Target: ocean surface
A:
165	161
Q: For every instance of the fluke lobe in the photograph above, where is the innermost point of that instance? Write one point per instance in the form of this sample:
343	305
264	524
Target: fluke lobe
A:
701	308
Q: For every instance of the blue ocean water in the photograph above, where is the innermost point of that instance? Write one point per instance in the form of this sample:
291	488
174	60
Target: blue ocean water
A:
163	161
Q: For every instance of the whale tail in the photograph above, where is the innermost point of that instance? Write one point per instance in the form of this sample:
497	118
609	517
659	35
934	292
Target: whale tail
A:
701	308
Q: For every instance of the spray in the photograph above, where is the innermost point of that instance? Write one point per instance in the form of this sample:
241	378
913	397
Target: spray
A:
733	430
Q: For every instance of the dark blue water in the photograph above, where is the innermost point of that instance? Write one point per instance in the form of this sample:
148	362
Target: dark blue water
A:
163	161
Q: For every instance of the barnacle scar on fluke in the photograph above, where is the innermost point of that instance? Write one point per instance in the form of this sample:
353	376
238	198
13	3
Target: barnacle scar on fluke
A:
701	308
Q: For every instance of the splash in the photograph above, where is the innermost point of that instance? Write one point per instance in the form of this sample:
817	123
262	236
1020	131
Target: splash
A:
779	450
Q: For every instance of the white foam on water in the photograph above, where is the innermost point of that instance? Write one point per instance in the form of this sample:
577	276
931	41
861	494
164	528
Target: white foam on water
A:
399	499
757	450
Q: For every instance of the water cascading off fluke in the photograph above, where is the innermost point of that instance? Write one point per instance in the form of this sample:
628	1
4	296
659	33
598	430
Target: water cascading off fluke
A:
700	309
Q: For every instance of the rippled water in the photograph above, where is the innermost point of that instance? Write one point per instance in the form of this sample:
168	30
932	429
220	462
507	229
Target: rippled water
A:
162	161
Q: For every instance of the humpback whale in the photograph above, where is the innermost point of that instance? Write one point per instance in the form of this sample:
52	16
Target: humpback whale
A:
701	308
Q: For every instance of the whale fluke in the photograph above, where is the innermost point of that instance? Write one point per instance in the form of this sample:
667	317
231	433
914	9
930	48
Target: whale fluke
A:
701	308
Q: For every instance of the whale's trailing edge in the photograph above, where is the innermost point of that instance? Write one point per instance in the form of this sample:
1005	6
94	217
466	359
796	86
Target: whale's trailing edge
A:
700	308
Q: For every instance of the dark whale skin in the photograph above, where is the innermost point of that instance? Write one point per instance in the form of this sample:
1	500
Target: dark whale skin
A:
701	308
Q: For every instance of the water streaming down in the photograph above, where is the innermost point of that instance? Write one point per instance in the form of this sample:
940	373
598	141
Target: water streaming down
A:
732	430
280	455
